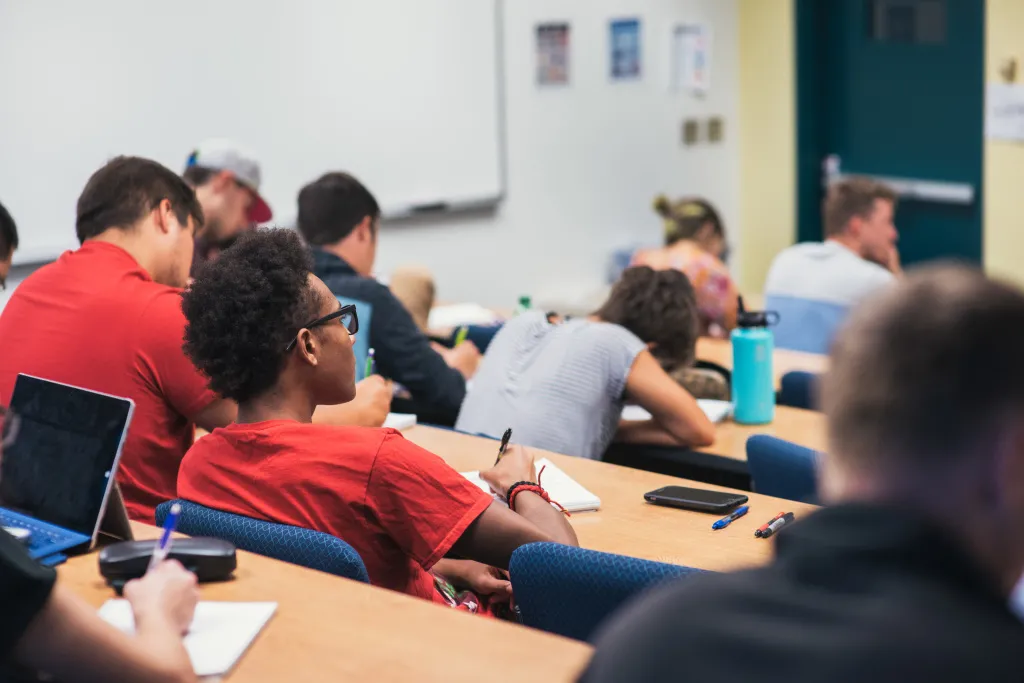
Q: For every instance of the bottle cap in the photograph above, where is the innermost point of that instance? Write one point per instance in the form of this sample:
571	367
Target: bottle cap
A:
746	319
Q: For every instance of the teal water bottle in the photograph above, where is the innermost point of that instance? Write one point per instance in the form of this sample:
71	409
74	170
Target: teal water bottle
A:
753	382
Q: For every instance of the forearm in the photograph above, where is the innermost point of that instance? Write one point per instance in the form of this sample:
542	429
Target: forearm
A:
646	432
354	413
545	517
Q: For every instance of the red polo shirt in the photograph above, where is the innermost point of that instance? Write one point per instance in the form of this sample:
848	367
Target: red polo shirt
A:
95	319
400	506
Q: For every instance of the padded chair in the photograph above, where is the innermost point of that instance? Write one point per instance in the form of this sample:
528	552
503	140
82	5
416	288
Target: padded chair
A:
782	469
570	591
799	390
304	547
805	324
361	347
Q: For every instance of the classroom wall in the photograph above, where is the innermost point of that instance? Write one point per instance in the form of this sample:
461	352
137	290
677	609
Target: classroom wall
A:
767	122
584	161
1004	161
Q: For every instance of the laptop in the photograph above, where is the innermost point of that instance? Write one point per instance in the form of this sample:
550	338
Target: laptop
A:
57	476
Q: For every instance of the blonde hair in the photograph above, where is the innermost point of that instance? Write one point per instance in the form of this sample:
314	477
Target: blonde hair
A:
685	218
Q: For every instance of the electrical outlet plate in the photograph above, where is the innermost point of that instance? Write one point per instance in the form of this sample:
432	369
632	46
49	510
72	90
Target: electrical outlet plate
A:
715	126
691	132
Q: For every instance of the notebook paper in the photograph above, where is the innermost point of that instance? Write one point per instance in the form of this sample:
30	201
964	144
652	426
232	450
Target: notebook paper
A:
219	634
715	410
559	485
400	421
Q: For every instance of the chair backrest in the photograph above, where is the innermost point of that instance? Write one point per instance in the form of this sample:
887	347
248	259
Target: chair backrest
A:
361	348
805	324
570	591
305	547
799	390
782	469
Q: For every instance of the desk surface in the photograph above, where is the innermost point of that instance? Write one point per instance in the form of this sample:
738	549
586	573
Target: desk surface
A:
803	427
332	629
720	351
626	524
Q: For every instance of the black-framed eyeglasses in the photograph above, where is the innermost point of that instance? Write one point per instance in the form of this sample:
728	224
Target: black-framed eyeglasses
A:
346	314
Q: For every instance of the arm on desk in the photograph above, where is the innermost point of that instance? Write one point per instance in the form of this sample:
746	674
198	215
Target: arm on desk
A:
498	531
220	413
679	419
68	640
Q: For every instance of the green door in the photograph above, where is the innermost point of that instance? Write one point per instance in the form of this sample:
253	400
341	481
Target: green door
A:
894	89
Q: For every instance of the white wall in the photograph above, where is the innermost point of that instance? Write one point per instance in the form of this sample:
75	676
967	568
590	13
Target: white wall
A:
584	161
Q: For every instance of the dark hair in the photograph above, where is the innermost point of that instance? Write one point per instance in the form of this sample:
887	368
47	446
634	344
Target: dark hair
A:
198	175
332	206
126	189
849	198
244	308
921	373
658	306
8	233
685	218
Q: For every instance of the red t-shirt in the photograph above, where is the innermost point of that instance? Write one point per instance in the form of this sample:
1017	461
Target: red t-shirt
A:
95	319
400	506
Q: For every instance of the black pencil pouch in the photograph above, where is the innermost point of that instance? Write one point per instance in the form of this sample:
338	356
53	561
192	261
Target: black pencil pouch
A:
210	559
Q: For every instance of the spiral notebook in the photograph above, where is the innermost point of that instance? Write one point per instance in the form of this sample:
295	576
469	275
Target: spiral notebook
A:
559	485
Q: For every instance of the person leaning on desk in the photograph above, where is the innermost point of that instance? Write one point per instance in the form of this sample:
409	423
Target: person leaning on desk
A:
45	627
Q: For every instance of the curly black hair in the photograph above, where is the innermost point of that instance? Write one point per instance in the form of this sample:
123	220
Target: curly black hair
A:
657	306
244	308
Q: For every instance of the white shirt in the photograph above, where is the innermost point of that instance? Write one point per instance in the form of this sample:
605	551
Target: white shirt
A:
824	271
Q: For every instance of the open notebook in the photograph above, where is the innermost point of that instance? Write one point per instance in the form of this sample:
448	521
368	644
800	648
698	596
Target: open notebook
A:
559	485
715	410
400	421
219	634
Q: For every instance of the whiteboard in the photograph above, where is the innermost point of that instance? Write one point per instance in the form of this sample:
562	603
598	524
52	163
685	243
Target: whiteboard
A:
405	94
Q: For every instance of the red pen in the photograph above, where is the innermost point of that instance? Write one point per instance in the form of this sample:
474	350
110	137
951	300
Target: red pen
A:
764	527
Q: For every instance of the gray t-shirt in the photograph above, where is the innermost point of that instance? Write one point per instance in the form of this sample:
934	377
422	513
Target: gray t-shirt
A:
559	387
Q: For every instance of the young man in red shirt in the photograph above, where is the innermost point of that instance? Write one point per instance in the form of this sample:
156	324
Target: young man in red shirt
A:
269	334
107	317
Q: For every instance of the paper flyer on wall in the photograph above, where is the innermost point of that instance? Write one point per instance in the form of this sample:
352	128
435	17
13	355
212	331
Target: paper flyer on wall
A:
624	49
691	58
553	54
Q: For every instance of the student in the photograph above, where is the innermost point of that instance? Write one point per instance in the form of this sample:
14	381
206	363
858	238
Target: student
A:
339	218
695	244
226	179
8	243
906	576
272	336
107	317
561	385
44	626
814	284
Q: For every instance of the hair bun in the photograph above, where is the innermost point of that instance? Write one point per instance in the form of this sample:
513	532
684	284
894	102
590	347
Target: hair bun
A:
663	206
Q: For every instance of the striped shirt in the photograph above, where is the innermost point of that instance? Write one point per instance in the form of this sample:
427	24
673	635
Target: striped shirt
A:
559	387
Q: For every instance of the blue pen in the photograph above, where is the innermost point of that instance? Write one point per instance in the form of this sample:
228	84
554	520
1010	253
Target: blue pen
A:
164	546
726	521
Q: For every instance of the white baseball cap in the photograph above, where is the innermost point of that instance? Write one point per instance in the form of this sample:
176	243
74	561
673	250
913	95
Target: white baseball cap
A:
220	154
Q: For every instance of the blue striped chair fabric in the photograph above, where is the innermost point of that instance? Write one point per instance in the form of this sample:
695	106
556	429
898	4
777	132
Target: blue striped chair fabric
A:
304	547
805	324
570	591
782	469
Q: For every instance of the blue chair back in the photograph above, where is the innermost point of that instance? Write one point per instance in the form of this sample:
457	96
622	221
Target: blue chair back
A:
782	469
805	324
304	547
361	348
570	591
799	390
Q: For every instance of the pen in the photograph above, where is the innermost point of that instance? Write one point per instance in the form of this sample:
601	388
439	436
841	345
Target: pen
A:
504	444
371	364
764	527
778	524
726	521
461	335
164	546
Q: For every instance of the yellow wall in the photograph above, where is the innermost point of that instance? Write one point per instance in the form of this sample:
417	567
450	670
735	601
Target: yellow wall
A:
767	121
1004	161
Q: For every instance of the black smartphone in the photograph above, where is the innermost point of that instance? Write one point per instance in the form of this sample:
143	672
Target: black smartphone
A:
701	500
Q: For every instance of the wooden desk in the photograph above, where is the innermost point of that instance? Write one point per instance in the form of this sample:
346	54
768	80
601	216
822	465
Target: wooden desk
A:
332	629
803	427
720	351
626	524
